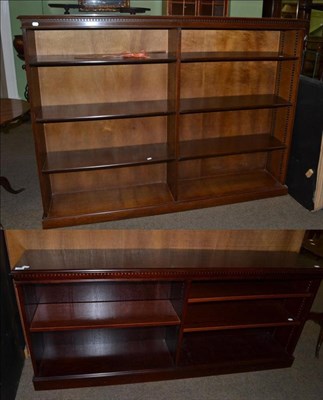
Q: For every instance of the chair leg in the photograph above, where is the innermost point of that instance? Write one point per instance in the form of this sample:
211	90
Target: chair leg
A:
6	184
318	319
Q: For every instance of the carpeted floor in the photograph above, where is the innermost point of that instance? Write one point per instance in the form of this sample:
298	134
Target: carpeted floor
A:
24	210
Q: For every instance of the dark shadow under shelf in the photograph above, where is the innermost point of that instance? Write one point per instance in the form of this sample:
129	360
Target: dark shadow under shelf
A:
99	59
105	358
235	348
201	292
230	103
235	56
237	315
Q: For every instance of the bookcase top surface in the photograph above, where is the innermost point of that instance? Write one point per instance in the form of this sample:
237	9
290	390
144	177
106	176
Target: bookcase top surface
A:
158	22
159	263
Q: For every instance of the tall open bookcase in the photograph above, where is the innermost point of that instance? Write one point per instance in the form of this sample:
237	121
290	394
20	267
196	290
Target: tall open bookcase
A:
136	116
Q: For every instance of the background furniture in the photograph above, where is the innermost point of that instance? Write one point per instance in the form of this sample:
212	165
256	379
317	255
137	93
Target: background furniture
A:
305	170
11	110
313	245
181	304
12	341
192	121
214	8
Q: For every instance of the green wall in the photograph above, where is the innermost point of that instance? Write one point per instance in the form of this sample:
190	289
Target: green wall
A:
246	8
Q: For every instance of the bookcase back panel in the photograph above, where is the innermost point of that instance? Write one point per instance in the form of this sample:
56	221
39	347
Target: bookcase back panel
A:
286	85
105	133
227	79
224	124
98	292
111	178
99	84
227	40
94	42
221	165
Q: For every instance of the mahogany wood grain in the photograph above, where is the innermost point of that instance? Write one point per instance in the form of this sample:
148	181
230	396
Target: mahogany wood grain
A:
126	314
237	315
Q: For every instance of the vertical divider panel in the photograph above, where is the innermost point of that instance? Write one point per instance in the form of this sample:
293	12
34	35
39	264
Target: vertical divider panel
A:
186	290
174	47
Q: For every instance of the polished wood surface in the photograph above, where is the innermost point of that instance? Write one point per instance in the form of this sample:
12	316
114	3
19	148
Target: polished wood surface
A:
258	240
12	110
108	316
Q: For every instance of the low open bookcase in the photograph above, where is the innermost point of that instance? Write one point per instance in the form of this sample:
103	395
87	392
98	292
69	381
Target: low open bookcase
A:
111	316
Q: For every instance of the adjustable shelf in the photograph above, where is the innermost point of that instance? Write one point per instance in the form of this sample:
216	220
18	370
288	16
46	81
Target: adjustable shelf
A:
229	103
211	102
223	146
83	112
234	56
80	160
110	316
237	315
71	316
100	59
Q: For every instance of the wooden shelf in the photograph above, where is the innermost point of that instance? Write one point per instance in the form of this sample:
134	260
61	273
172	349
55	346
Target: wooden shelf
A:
223	146
81	160
106	201
127	314
230	103
99	59
237	315
106	358
228	185
234	56
85	112
209	291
